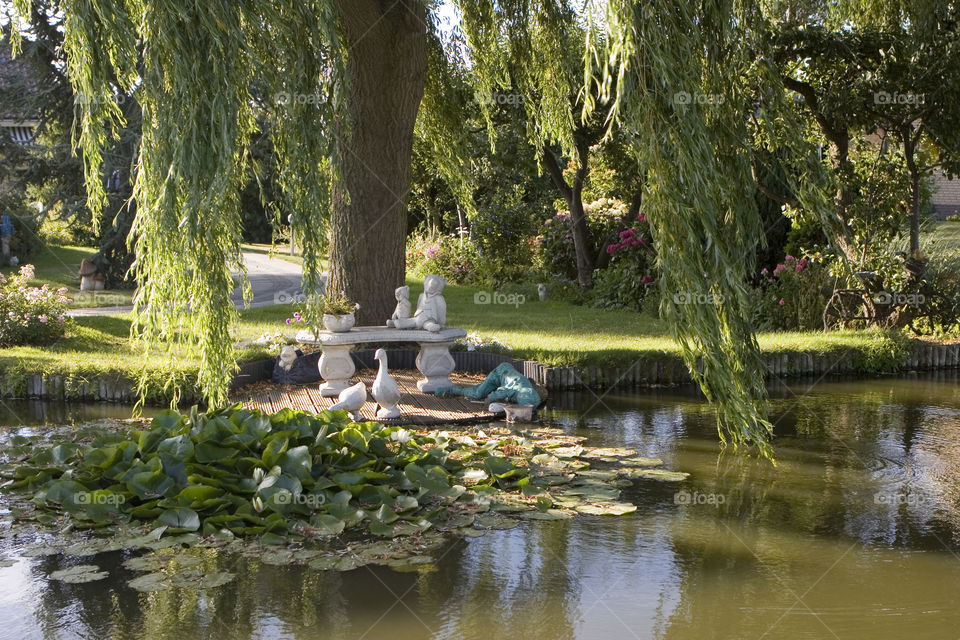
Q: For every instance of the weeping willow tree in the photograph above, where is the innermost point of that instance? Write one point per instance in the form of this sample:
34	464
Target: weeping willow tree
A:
347	84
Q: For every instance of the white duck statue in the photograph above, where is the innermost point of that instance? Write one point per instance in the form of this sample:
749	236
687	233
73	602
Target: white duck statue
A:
351	400
385	389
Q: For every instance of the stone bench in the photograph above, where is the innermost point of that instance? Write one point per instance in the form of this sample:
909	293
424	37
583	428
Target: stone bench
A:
336	366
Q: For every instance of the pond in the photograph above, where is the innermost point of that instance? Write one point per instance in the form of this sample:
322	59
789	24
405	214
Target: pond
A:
855	534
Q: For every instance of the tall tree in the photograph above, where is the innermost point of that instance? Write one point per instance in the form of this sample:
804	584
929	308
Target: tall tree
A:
351	76
386	72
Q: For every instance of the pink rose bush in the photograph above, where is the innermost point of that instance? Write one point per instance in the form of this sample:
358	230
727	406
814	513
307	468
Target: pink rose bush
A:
30	315
793	295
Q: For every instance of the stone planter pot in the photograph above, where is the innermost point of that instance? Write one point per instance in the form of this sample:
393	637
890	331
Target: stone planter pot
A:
339	324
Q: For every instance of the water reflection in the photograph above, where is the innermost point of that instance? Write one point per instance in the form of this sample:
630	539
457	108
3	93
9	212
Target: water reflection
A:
853	535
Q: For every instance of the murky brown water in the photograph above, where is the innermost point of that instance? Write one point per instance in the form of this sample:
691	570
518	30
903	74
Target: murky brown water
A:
855	534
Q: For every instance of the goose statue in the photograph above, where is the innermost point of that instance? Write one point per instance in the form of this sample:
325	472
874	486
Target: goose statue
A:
385	390
351	400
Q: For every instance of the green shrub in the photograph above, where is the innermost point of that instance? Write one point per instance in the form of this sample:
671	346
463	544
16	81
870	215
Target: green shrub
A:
625	283
794	294
954	218
30	315
55	231
459	263
554	245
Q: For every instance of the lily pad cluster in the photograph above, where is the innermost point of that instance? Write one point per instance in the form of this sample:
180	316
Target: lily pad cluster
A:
293	478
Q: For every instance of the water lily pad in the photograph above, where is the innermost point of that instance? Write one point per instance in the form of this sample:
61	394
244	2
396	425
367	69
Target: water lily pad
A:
79	574
609	452
470	532
571	451
41	550
607	508
492	521
327	563
412	563
549	514
150	582
605	475
216	579
659	474
639	461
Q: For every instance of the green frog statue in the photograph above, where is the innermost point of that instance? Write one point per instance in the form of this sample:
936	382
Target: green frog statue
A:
503	384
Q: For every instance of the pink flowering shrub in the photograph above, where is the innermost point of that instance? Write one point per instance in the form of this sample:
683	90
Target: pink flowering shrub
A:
794	294
631	274
555	254
444	256
30	315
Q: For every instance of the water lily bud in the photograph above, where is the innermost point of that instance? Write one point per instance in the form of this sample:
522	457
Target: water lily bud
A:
258	474
257	503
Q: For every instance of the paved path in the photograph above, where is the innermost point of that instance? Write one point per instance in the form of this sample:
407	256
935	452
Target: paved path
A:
273	280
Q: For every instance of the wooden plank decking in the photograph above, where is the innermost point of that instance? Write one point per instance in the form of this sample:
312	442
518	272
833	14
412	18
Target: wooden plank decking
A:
417	408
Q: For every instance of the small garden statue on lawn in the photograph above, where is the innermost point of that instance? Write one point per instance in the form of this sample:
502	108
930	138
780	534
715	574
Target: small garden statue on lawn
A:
431	311
402	312
542	291
6	232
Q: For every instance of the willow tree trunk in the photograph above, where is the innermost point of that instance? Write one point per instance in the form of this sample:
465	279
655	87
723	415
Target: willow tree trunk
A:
386	68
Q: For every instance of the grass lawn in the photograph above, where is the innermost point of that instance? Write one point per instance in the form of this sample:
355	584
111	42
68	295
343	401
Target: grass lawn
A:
60	266
941	236
553	333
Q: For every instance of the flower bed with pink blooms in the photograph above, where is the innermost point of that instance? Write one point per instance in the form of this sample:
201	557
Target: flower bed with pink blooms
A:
30	315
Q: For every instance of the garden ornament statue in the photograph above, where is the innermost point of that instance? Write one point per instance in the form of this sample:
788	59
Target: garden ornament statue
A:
402	312
288	355
431	311
503	384
351	400
385	390
542	291
6	231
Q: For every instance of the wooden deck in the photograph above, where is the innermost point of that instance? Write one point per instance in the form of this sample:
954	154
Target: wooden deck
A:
416	408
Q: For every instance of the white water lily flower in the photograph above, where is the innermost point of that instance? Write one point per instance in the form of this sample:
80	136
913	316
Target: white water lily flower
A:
257	503
258	475
401	435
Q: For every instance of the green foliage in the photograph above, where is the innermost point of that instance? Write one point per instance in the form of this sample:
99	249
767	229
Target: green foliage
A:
694	149
502	232
886	352
293	475
456	260
793	296
30	315
631	274
336	304
57	232
555	250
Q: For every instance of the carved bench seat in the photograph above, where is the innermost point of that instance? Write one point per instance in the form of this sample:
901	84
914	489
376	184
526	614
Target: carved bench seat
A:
336	366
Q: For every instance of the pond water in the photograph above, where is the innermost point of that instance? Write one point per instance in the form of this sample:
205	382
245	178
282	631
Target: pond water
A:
855	534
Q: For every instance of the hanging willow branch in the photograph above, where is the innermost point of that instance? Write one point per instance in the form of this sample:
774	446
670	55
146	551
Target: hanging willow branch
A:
193	67
671	70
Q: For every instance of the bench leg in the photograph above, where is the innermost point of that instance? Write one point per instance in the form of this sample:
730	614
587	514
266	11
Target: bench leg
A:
336	368
436	364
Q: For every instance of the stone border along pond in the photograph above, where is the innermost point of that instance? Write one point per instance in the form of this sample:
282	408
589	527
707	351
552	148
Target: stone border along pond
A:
649	370
288	488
